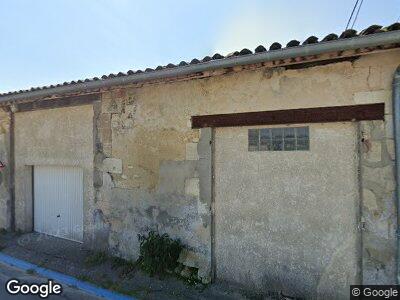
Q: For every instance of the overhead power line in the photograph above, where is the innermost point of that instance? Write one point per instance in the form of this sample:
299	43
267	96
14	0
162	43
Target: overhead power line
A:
358	10
351	16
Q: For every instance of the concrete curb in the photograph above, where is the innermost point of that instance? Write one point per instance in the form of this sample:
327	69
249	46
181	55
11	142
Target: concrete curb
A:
62	278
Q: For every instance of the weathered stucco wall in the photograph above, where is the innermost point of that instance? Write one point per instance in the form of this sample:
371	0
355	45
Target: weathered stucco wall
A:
62	136
148	156
145	168
287	220
5	197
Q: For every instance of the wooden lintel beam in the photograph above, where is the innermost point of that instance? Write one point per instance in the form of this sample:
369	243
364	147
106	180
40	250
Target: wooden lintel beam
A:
293	116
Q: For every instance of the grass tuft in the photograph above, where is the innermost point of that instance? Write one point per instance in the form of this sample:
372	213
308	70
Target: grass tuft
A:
96	259
126	266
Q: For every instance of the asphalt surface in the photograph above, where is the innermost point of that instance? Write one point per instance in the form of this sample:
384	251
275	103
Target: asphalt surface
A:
7	272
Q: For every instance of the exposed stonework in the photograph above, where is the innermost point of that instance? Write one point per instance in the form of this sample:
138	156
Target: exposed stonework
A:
5	197
378	203
164	170
102	181
145	168
172	204
112	165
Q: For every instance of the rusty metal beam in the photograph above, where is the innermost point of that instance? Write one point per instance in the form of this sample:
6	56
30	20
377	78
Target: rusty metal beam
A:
56	103
293	116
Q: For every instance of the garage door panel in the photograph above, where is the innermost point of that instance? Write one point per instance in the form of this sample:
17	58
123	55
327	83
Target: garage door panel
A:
58	201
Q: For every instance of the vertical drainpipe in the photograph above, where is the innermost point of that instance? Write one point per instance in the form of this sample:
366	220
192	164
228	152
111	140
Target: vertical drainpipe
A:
12	169
396	126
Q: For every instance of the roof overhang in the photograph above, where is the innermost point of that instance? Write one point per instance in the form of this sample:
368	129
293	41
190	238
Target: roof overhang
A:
355	43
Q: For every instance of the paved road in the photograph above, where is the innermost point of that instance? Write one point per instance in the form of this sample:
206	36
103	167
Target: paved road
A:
7	272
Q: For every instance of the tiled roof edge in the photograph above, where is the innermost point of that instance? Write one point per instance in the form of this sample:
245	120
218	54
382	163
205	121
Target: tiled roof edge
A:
245	56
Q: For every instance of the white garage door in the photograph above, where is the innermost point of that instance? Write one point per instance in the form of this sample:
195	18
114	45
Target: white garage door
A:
58	201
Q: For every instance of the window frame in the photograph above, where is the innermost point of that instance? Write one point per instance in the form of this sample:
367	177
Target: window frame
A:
273	139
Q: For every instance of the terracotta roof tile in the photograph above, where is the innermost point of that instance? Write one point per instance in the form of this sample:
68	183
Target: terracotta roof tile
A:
330	37
293	43
350	33
275	46
310	40
245	51
371	29
260	49
217	56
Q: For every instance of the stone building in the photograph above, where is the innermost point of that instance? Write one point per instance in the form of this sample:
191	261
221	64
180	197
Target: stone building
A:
276	168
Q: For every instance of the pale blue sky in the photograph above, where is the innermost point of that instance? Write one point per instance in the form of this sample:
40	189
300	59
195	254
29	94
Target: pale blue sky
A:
51	41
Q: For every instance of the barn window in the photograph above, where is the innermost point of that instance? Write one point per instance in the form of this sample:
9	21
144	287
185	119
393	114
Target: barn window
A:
279	139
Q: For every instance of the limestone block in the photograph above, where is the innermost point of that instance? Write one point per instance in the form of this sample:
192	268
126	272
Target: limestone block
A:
390	148
107	149
122	123
196	260
188	258
192	187
119	93
191	151
106	137
112	165
373	77
130	109
115	121
380	228
390	185
202	208
368	97
371	96
369	200
374	153
377	130
389	126
105	121
378	175
110	104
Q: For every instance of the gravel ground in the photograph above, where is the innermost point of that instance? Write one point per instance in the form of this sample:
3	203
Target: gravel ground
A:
71	258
